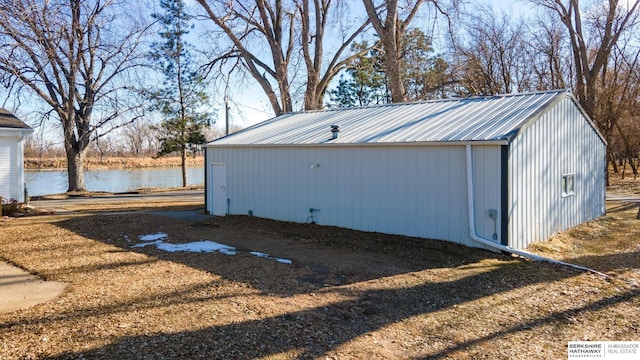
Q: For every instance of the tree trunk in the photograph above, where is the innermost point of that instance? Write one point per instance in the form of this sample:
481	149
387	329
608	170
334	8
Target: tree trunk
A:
75	169
312	101
632	164
612	160
396	85
183	158
392	43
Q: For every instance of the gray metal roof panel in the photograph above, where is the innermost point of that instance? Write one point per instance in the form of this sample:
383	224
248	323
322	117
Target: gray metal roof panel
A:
490	118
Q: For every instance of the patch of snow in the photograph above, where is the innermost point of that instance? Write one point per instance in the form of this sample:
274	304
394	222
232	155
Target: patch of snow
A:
206	246
157	242
266	256
198	246
153	237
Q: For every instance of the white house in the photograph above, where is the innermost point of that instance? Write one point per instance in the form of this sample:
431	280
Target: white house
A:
509	169
13	132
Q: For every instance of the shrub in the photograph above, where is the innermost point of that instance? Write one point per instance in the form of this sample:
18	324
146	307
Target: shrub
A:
11	208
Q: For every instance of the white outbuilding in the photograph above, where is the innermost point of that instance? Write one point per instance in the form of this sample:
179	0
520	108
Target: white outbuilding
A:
508	169
13	132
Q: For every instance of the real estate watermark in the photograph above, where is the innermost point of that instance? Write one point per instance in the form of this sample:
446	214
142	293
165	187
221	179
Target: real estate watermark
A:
611	350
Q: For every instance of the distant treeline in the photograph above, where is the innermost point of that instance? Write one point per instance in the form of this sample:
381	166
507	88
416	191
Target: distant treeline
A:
94	163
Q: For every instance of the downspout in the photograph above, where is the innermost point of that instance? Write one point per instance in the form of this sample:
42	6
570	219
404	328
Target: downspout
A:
497	246
206	181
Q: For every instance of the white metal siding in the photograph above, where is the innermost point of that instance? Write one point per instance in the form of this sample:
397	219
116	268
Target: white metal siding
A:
19	163
411	190
487	190
562	141
8	179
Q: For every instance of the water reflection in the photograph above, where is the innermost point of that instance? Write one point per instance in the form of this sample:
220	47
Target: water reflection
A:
114	180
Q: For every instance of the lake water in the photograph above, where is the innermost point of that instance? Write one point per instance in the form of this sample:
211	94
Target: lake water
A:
47	182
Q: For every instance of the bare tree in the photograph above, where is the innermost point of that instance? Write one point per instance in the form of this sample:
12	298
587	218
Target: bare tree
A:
592	34
140	138
73	55
491	55
313	22
284	29
617	106
37	147
273	26
549	55
391	23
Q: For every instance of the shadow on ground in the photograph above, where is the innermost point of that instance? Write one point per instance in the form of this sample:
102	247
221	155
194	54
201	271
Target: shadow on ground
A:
323	257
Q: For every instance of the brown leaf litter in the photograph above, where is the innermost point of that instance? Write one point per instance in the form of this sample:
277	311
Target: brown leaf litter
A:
346	295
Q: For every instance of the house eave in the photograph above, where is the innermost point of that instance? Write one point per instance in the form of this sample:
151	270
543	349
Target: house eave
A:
15	132
496	142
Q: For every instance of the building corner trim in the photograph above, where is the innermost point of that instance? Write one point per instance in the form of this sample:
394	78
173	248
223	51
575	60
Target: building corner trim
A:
504	195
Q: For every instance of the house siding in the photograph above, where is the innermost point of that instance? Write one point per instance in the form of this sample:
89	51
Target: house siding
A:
11	168
7	168
410	190
561	141
12	135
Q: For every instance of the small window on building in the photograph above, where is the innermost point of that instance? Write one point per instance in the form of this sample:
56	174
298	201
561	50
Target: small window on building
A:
568	184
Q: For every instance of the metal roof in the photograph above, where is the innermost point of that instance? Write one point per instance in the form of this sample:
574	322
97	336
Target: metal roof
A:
8	120
488	118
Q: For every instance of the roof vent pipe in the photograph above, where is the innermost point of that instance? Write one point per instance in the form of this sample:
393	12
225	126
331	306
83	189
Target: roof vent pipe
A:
335	129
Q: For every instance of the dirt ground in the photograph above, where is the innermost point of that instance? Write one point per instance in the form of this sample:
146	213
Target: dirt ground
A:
346	294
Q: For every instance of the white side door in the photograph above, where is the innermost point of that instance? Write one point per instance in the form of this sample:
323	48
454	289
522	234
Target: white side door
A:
218	193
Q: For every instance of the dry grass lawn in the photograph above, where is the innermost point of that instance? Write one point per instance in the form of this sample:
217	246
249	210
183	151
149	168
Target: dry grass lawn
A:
627	185
347	294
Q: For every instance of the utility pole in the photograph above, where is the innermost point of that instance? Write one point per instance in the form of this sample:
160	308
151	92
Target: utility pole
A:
226	115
